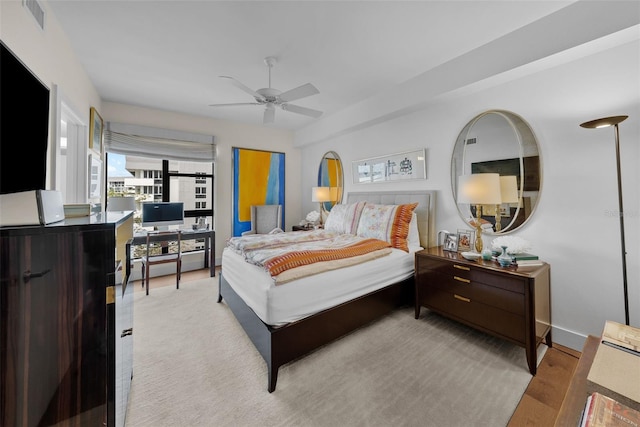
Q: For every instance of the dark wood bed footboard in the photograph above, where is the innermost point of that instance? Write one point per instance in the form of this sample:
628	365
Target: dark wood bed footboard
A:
286	343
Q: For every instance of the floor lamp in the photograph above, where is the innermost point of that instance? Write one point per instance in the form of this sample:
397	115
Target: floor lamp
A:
601	123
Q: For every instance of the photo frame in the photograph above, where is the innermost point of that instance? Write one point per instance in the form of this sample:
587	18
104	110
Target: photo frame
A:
403	166
465	240
258	179
95	177
95	131
451	242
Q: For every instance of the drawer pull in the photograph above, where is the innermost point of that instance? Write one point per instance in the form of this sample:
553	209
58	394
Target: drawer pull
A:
460	279
461	267
456	296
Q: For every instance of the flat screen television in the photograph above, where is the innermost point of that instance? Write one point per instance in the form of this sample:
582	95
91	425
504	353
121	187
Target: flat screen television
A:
24	126
162	214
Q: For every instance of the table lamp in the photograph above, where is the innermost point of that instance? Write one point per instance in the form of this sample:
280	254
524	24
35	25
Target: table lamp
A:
479	189
320	195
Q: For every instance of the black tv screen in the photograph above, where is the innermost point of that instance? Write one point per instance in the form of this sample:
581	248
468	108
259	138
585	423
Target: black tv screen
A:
161	214
24	126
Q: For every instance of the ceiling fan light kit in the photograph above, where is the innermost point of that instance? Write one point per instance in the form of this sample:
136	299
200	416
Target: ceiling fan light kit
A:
271	97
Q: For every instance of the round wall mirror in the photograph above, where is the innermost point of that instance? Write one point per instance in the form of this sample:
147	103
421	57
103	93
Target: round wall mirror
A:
330	174
498	142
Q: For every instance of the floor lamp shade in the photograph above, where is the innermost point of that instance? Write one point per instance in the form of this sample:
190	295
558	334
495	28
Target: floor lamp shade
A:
601	123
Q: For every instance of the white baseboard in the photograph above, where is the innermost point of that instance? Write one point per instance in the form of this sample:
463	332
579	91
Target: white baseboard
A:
567	338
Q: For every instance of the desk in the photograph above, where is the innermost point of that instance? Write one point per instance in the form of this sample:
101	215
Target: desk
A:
209	237
576	397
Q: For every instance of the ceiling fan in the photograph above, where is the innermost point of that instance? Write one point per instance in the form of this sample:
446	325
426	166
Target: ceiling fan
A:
271	98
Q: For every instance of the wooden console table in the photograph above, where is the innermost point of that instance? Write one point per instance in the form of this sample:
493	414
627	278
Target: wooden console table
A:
510	303
576	397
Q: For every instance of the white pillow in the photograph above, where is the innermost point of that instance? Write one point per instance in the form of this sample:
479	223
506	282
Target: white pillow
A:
344	219
387	222
413	238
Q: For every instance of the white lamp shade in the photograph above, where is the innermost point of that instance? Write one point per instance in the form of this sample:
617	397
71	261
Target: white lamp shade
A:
479	189
320	194
509	189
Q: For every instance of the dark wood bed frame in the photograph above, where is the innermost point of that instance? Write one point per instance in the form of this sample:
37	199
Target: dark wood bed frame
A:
280	345
283	344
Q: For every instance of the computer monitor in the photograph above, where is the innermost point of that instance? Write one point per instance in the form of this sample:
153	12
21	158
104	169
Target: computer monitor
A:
162	214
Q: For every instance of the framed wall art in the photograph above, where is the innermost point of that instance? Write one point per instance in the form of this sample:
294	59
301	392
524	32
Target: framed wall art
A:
394	167
95	131
258	179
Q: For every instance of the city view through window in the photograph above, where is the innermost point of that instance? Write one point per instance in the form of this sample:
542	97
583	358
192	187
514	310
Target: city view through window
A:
156	180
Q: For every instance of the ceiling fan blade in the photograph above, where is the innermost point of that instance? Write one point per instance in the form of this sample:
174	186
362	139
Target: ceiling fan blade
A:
299	92
236	104
301	110
243	87
269	114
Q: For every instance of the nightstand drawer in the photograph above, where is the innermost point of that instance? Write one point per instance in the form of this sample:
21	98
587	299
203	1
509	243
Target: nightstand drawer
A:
489	295
467	271
462	307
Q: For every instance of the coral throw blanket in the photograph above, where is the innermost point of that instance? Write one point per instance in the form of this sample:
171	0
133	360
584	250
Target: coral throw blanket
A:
288	256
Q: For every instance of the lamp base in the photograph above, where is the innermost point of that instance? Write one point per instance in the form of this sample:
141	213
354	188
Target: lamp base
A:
478	243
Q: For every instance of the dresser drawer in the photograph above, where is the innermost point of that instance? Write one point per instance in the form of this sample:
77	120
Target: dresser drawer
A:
464	308
512	302
468	271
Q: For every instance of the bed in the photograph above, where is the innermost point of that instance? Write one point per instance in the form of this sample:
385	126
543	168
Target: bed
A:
289	320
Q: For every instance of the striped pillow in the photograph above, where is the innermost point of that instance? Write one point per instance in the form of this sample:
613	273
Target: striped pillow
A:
387	222
343	219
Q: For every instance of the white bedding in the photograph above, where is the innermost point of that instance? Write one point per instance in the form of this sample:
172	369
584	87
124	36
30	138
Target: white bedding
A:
278	305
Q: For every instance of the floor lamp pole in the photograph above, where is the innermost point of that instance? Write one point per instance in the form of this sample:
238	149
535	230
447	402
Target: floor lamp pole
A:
622	242
599	123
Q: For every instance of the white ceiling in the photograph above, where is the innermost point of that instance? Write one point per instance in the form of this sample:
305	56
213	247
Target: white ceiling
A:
168	55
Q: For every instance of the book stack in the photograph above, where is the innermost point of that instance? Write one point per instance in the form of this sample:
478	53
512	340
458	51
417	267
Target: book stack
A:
603	411
615	371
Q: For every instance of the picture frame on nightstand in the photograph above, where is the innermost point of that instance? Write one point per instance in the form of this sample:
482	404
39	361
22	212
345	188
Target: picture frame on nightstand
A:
451	242
465	240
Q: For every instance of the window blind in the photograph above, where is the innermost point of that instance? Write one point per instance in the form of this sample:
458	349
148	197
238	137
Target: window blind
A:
143	141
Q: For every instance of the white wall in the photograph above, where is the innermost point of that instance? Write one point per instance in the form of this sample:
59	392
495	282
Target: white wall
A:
572	228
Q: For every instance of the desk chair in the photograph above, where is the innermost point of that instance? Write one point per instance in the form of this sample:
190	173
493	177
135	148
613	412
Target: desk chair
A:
264	218
156	240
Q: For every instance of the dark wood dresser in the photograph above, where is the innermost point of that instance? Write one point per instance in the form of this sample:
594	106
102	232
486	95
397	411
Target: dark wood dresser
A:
511	303
65	322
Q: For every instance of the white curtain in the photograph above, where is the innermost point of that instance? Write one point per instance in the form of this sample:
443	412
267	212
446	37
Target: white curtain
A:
143	141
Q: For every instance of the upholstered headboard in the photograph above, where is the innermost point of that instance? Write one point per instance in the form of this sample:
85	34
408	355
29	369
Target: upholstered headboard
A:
425	211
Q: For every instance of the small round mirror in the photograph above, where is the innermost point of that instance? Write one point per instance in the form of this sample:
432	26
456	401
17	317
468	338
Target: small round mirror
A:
330	174
498	142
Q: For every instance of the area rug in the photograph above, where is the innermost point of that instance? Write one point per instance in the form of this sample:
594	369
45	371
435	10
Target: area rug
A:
194	366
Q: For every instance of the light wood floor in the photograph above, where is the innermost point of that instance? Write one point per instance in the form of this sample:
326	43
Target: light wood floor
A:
541	401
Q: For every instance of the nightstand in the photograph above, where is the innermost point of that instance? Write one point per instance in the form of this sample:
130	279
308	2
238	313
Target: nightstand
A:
511	303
